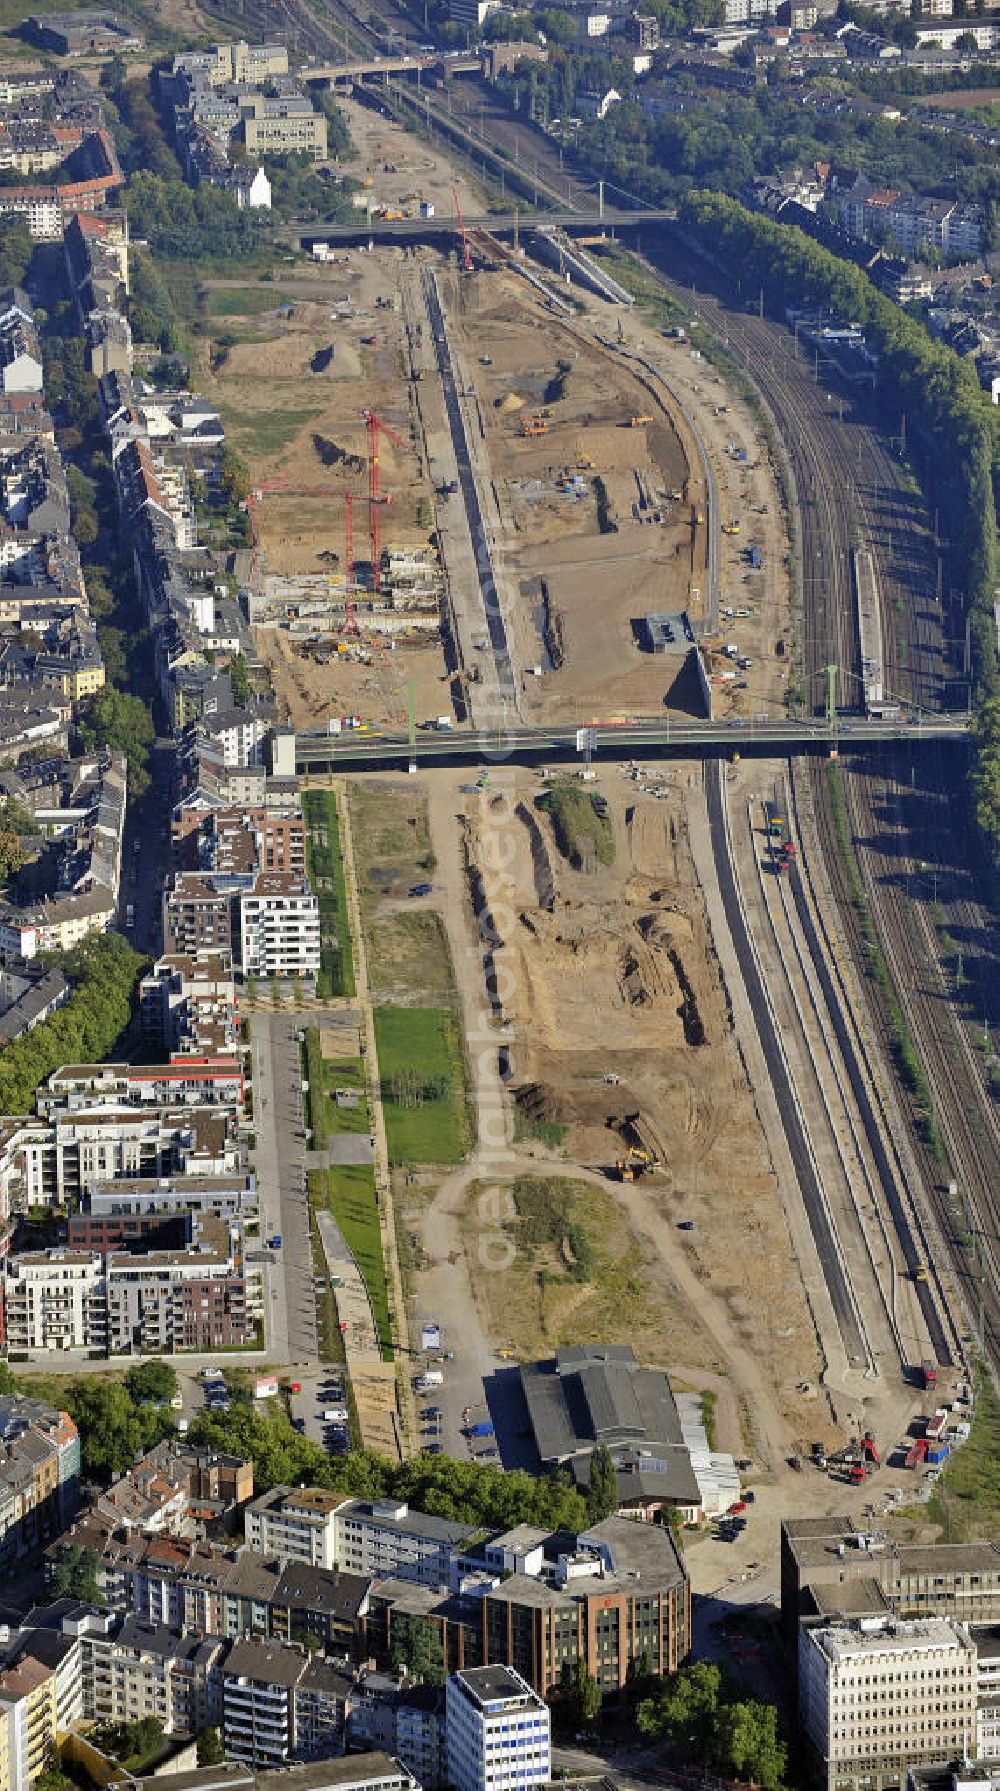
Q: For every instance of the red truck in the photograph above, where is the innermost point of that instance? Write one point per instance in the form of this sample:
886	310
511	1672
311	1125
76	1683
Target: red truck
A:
917	1455
929	1374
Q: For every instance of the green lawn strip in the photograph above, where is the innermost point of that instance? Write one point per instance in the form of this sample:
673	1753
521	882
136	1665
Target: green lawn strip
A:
240	301
579	828
325	1076
348	1192
326	874
966	1500
267	432
422	1072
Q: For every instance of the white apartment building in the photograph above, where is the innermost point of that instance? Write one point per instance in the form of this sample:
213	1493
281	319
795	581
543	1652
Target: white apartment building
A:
278	927
295	1523
879	1694
55	1300
384	1539
497	1731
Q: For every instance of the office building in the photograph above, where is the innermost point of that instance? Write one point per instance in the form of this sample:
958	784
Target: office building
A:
497	1732
879	1694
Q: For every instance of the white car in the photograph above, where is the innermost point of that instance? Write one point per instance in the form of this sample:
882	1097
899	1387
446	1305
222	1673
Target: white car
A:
335	1414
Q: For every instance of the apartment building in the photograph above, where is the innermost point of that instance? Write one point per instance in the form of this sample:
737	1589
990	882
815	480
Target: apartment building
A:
61	1299
172	1486
189	1005
879	1694
278	927
197	917
296	1524
39	1475
258	1701
30	1687
497	1731
53	1301
384	1539
359	1772
152	1670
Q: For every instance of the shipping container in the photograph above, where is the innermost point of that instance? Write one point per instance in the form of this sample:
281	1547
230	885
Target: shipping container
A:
482	1429
265	1386
938	1452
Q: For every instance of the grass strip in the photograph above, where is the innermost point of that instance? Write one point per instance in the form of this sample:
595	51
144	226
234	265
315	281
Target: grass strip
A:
325	863
422	1072
348	1192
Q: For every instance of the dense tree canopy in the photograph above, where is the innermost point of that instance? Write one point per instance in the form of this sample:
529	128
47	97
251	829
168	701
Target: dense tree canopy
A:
469	1491
113	718
104	971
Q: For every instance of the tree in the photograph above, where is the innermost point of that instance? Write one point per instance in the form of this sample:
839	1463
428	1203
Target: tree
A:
416	1645
685	1709
749	1744
116	719
239	678
11	854
602	1490
234	475
112	1430
210	1749
74	1574
579	1697
151	1383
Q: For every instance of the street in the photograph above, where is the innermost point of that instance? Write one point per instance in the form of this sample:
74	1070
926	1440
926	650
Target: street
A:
279	1160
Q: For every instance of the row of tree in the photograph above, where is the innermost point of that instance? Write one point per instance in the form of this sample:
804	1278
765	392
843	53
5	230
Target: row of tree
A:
467	1491
104	972
944	404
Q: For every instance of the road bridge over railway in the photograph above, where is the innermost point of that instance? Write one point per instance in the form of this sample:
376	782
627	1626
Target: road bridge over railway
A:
390	230
358	751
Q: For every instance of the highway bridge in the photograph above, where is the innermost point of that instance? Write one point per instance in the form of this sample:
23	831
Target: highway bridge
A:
389	230
364	750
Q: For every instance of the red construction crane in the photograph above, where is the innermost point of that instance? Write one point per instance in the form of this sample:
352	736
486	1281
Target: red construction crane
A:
376	496
466	251
350	618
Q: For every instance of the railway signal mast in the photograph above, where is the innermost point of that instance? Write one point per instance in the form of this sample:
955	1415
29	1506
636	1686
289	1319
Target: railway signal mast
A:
466	251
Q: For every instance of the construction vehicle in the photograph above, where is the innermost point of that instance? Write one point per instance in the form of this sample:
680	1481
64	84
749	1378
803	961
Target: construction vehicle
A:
534	426
857	1474
584	464
636	1161
376	496
920	1272
637	422
731	528
916	1455
929	1374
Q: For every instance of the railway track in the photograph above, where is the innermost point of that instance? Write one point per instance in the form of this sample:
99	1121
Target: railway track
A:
850	487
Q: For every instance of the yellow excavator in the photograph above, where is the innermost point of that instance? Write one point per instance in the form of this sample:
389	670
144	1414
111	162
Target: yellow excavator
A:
635	1162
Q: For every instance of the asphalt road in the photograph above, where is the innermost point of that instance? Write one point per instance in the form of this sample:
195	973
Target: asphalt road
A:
146	853
470	497
319	752
280	1167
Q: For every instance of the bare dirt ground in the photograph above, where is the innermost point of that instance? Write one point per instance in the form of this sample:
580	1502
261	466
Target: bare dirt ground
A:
295	410
578	591
721	1306
398	169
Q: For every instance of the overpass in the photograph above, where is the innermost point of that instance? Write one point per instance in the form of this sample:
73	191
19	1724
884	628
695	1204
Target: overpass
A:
367	750
387	230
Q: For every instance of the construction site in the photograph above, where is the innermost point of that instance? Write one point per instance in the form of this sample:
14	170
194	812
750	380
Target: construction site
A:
588	480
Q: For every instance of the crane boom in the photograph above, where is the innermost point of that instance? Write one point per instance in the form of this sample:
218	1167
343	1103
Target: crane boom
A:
376	496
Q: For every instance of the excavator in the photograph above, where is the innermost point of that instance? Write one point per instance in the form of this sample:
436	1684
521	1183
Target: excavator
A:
635	1162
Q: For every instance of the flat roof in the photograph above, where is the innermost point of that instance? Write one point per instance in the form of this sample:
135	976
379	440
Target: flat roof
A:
843	1641
489	1685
